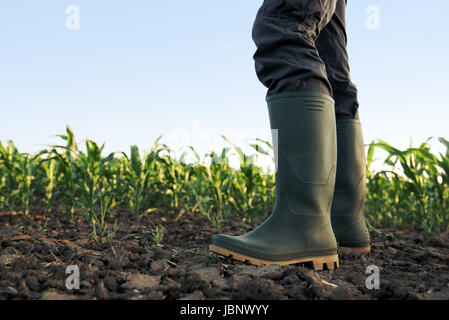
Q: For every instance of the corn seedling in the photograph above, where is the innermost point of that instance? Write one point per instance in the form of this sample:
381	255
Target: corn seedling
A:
100	230
147	238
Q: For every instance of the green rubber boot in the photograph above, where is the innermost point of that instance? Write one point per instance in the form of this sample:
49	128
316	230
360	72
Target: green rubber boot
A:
348	216
299	229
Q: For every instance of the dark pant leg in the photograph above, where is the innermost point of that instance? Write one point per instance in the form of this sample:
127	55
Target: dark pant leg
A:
285	32
331	45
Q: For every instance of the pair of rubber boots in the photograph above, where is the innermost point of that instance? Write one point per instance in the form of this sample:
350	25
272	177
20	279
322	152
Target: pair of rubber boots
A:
320	188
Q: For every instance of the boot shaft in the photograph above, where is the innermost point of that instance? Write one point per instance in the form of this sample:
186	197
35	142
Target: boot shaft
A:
348	215
305	146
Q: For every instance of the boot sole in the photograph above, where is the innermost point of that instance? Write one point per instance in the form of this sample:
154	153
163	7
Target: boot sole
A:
354	251
318	263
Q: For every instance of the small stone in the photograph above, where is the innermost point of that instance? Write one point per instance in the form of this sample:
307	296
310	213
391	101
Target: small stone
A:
158	266
10	291
211	275
48	243
141	281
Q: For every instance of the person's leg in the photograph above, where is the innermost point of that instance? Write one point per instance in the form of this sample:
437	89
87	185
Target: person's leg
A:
301	111
348	217
286	58
331	45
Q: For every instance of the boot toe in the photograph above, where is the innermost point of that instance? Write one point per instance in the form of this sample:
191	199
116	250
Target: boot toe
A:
227	242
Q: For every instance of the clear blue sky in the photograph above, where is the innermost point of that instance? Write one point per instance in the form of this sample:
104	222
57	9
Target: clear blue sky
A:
137	69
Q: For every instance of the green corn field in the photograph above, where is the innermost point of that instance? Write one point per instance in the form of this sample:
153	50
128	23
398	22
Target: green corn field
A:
411	190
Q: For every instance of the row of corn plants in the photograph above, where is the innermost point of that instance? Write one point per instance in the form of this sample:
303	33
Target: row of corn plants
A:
84	179
411	189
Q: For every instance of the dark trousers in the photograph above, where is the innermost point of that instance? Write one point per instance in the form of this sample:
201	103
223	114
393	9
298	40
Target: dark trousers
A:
301	46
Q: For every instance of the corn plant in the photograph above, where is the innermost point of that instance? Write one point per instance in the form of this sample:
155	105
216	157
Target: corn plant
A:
91	168
51	180
100	231
8	169
138	177
65	157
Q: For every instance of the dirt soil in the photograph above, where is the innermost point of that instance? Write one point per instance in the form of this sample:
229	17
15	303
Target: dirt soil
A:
35	251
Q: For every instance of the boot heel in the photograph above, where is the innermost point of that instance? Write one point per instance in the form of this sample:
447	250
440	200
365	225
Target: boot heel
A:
330	262
354	251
